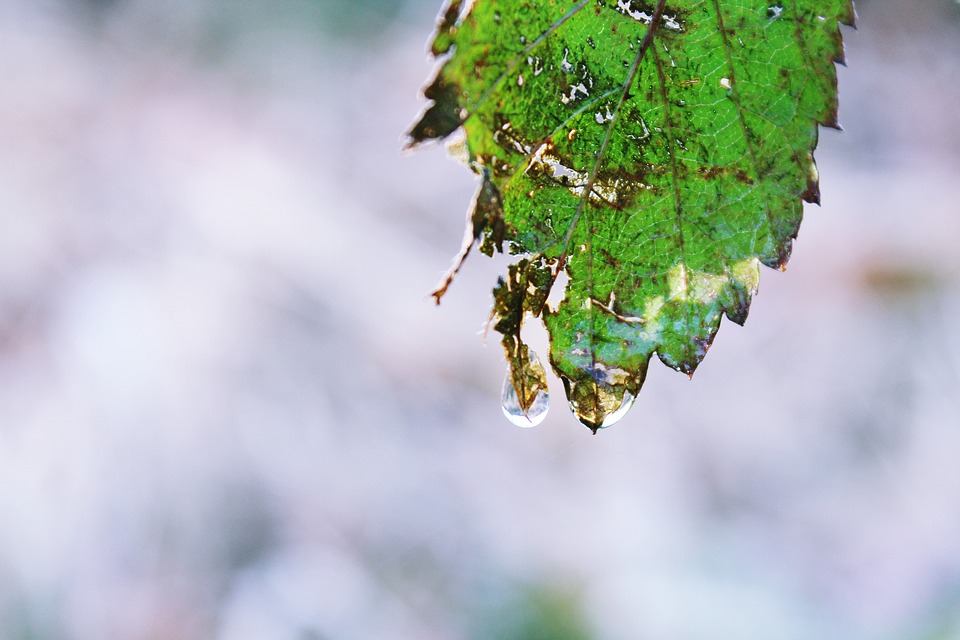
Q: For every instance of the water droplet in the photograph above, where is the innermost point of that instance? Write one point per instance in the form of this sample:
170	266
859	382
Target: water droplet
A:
535	378
590	413
510	404
621	411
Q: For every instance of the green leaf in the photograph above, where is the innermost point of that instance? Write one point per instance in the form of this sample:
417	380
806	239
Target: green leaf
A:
655	152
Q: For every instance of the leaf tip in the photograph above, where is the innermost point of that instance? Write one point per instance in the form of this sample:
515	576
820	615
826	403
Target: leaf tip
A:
738	314
850	18
832	121
812	194
779	261
442	117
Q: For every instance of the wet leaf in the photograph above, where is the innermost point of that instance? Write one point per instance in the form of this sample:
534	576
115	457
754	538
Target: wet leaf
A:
656	152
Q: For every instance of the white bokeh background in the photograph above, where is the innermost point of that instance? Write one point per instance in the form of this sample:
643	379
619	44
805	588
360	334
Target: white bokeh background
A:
229	410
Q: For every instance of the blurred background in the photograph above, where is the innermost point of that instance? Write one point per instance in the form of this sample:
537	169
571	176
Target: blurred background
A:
229	410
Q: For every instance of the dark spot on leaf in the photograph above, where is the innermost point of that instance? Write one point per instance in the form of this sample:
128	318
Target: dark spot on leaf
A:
724	172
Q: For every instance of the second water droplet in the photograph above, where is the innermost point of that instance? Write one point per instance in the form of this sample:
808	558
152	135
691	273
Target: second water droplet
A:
621	411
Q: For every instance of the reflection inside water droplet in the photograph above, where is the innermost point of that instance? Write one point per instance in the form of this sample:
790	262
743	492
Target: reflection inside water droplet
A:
615	417
510	404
